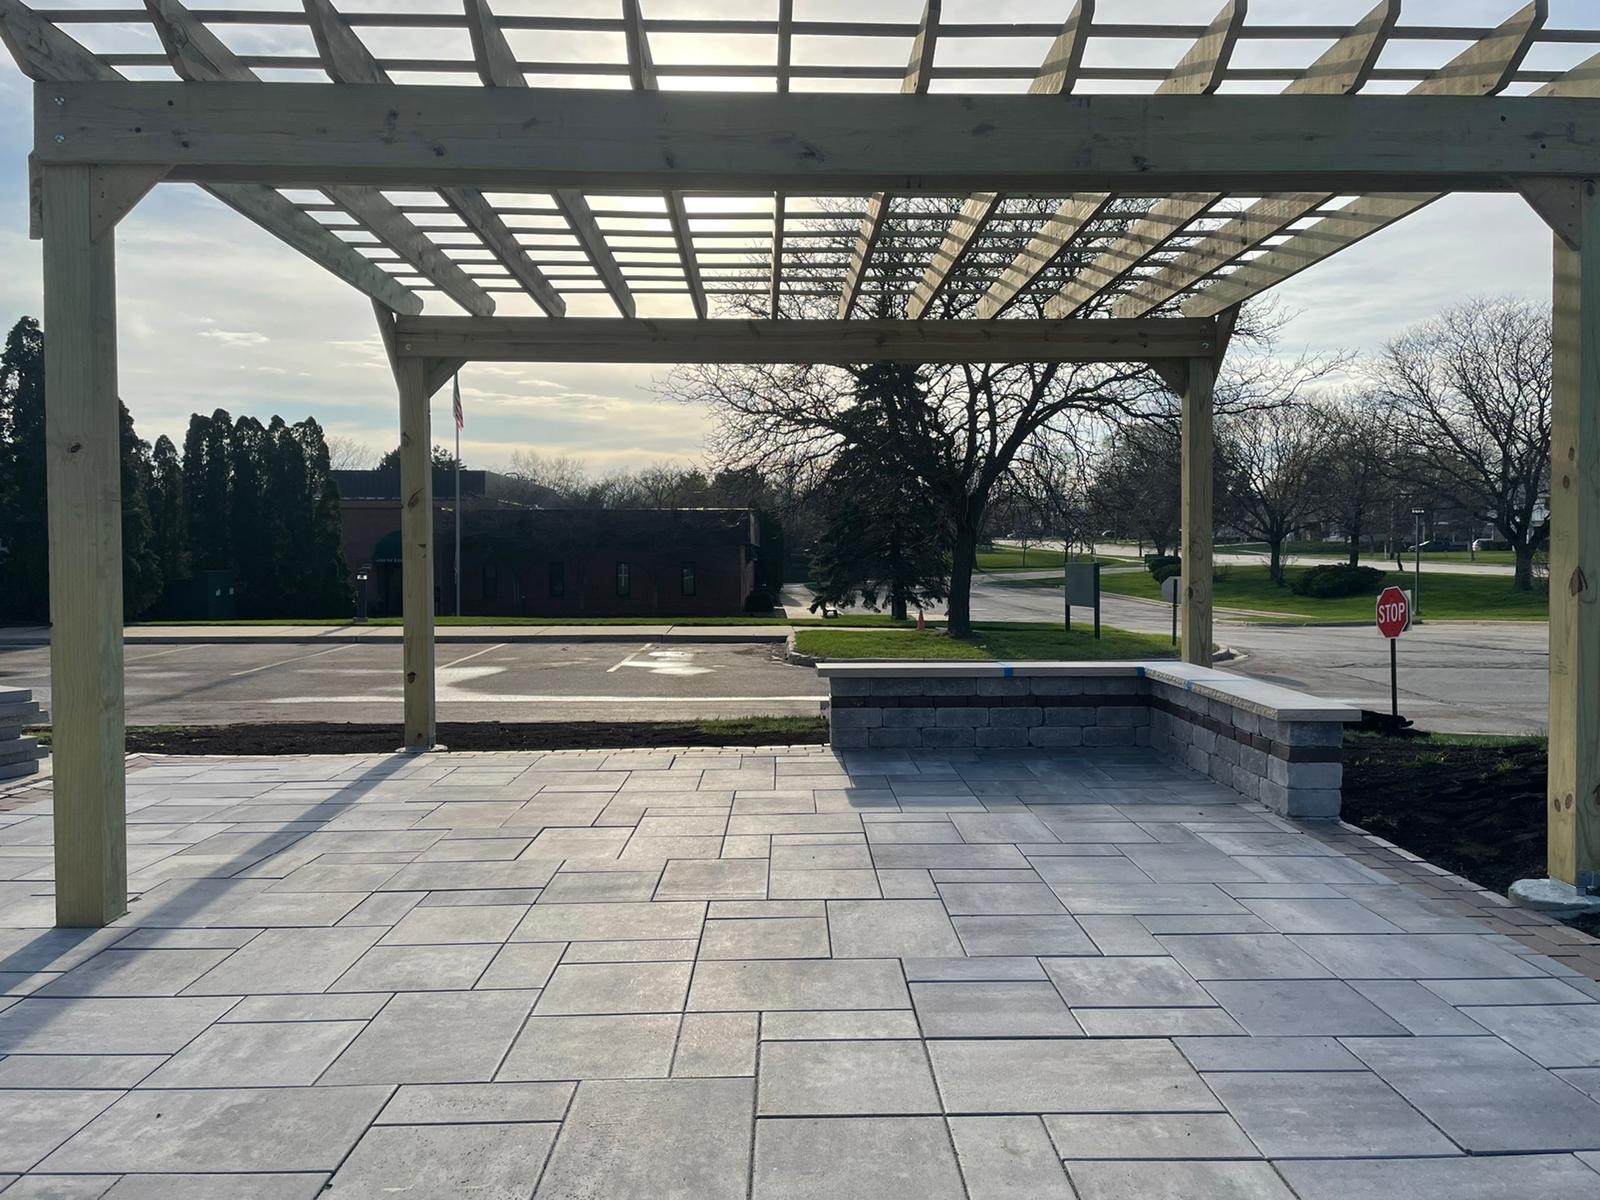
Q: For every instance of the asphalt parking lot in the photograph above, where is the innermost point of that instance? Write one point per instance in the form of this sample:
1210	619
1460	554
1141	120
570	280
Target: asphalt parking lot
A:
540	681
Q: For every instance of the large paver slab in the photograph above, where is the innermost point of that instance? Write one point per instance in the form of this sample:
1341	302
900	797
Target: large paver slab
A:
434	1037
1177	1181
798	984
118	972
476	1103
1008	1158
1536	1177
1125	983
33	1123
844	1078
641	987
1414	956
1308	1114
610	922
887	1158
1020	1009
673	1139
287	960
1149	1136
1485	1095
891	929
241	1129
107	1026
268	1054
254	1186
1063	1076
1302	1007
1010	936
483	1161
637	1046
1553	1035
766	937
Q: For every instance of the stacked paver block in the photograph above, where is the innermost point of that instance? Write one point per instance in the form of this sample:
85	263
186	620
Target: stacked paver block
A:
19	755
1267	743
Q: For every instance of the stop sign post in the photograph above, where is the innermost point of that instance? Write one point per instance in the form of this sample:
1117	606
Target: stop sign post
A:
1394	617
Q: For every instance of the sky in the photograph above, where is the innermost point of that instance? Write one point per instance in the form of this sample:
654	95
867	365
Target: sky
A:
214	312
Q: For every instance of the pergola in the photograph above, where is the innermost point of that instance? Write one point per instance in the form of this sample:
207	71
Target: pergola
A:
507	170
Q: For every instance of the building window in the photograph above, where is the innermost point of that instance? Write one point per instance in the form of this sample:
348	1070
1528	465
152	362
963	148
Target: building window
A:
491	581
688	579
558	579
624	580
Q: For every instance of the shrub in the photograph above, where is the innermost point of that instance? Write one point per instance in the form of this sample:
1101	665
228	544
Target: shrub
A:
760	600
1163	566
1337	579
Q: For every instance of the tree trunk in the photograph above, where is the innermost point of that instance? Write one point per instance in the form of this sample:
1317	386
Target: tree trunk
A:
965	552
1275	561
897	607
1522	580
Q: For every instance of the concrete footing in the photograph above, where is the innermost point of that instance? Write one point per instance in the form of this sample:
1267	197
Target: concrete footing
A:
1554	897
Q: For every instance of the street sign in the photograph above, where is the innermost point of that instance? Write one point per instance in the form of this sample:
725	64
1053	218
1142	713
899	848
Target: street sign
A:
1394	618
1171	589
1394	612
1083	589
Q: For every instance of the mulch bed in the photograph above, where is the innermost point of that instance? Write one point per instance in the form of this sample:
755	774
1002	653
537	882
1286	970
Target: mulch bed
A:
318	738
1476	811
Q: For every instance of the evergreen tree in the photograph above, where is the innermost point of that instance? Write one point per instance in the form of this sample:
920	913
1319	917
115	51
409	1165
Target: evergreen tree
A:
883	538
141	564
250	539
207	471
328	592
24	561
167	515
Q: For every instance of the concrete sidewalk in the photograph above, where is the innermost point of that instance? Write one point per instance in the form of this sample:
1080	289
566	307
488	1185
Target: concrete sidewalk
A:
294	635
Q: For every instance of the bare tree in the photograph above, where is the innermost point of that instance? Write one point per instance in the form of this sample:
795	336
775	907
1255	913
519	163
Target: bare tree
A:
1470	396
1360	470
1275	478
350	454
561	475
1135	489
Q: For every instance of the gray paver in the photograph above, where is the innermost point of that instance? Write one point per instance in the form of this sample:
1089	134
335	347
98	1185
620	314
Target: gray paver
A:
274	1054
615	988
992	1010
887	1158
287	960
1149	1135
1176	1181
470	1103
1008	1158
254	1186
484	1161
1535	1177
434	1037
801	984
1067	1075
243	1129
36	1122
1209	956
891	929
716	1044
766	937
844	1078
847	1025
714	879
610	922
649	1140
1006	937
1125	982
106	1026
455	925
1414	956
1308	1114
635	1046
1553	1035
119	972
1302	1007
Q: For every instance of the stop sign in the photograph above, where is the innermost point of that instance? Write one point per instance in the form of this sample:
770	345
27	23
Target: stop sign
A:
1394	612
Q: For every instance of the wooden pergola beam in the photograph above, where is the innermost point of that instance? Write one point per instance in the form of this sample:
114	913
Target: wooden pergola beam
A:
1198	73
497	137
46	54
642	72
919	73
779	200
514	339
1483	69
498	67
1057	74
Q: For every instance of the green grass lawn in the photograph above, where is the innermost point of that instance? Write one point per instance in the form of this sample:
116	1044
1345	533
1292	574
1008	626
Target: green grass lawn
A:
1007	641
1444	597
1035	558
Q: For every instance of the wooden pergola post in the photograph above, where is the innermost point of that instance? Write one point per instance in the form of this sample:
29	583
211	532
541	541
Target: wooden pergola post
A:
1198	534
1574	785
416	554
80	206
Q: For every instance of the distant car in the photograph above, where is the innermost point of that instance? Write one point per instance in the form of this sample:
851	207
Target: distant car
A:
1489	544
1434	545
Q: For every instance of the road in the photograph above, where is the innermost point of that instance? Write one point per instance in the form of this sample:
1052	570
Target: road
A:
542	681
1258	558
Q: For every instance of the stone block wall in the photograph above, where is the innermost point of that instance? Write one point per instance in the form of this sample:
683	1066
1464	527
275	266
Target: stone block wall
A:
1267	743
19	755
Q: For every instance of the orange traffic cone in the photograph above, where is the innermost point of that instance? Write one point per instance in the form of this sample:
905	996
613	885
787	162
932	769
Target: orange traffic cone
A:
922	623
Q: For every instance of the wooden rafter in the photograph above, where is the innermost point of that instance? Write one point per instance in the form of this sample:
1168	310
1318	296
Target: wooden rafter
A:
346	59
919	73
1199	72
522	339
45	53
1483	69
642	71
1056	77
498	67
779	200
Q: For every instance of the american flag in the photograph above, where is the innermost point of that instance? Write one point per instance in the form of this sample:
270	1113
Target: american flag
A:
456	403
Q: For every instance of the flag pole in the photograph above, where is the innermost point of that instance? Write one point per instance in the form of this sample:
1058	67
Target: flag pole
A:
459	422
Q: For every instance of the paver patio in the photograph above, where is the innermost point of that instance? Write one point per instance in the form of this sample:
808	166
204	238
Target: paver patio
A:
776	974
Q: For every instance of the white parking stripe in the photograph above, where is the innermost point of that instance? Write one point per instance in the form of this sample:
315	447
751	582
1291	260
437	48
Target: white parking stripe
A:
159	653
628	662
296	658
473	655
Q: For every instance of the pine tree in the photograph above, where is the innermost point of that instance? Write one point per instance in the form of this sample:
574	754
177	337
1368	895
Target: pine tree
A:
328	590
249	529
141	565
207	472
24	553
167	515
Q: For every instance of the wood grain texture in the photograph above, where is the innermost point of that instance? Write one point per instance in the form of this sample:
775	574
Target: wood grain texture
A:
1574	797
82	454
1198	530
416	554
723	340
